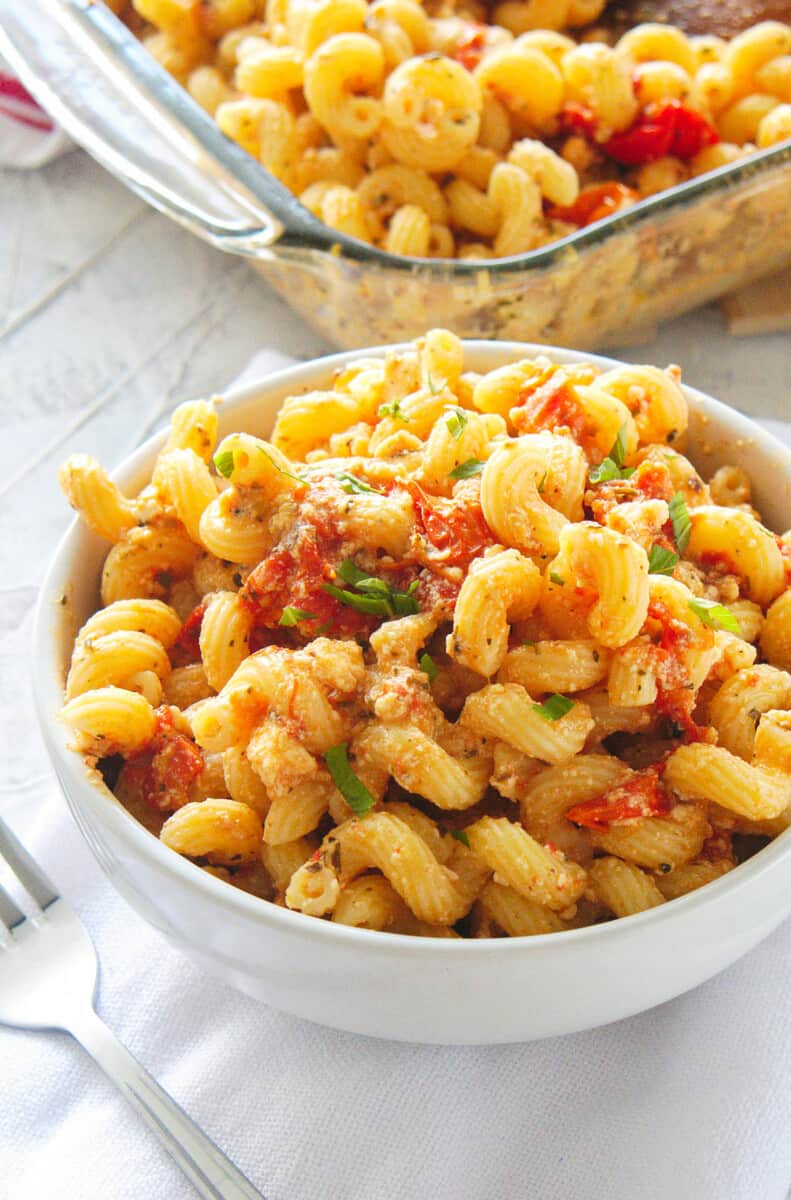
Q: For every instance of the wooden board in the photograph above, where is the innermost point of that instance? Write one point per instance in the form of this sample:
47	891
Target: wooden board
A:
761	307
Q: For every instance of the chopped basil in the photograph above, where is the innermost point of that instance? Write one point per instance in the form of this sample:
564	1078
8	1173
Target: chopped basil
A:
393	409
542	483
353	790
460	836
618	452
372	595
373	605
682	526
427	665
717	616
612	466
223	461
558	579
292	616
349	572
554	707
350	483
457	422
466	470
661	561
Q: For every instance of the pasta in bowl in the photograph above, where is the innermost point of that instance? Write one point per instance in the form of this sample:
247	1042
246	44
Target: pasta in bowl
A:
443	642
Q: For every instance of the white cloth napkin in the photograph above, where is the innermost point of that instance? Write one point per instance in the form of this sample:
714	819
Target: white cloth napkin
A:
691	1101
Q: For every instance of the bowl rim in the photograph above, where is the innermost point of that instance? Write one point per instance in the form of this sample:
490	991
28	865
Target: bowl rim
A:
75	773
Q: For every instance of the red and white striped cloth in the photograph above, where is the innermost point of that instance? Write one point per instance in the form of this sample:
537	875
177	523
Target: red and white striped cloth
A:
29	138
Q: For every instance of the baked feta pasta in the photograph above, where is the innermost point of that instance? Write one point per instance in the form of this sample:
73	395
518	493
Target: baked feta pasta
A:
450	654
463	129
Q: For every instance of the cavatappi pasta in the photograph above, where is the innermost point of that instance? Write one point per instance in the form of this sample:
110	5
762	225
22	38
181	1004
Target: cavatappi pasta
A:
449	654
454	129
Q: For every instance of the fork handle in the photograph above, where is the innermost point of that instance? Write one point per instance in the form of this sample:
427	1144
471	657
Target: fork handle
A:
212	1174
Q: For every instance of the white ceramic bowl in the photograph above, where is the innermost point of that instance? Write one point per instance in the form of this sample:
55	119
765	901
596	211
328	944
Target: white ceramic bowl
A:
388	985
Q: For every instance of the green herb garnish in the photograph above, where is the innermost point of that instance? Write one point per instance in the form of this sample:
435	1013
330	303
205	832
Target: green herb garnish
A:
558	579
372	595
682	526
427	665
353	790
661	561
466	470
223	461
554	707
460	836
292	616
350	483
457	422
715	615
542	483
612	466
393	409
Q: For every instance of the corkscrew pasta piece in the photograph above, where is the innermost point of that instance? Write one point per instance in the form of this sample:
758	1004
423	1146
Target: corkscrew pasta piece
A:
434	893
159	621
524	496
610	571
703	772
224	637
188	485
110	720
99	501
340	660
691	876
431	113
515	914
342	77
369	902
742	700
654	399
142	563
110	659
506	711
500	588
223	831
552	791
624	888
556	666
733	537
421	766
651	842
520	862
525	80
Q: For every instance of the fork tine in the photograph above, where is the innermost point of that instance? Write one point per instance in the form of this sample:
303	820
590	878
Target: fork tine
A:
10	915
29	875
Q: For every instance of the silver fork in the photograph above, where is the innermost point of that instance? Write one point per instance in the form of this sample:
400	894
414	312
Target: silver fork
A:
48	973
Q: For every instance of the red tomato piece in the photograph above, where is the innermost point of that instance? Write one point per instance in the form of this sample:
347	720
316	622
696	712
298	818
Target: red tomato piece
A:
669	127
455	528
640	796
576	118
594	203
186	648
469	49
165	770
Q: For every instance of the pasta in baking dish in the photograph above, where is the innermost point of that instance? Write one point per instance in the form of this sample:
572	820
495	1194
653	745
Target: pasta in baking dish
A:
449	655
460	129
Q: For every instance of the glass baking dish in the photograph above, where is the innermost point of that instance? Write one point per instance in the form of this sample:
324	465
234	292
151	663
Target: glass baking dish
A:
602	285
